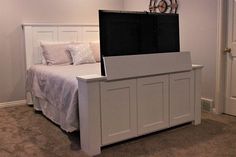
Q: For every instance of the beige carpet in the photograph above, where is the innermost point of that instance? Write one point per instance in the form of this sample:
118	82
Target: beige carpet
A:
24	133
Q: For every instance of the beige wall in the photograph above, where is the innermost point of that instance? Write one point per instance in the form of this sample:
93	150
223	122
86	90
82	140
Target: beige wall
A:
14	12
198	28
198	34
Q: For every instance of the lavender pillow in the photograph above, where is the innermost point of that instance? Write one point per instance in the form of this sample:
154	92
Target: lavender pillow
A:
81	53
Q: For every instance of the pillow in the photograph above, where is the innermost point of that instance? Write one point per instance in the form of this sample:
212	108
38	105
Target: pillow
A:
43	60
81	53
56	53
95	47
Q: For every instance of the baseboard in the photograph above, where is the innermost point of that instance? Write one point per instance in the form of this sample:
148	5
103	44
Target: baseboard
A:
207	104
13	103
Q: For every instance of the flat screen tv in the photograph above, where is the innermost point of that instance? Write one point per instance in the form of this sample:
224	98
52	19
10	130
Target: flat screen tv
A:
133	33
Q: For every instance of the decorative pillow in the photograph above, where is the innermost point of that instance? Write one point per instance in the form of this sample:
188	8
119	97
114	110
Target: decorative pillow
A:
81	53
56	53
95	47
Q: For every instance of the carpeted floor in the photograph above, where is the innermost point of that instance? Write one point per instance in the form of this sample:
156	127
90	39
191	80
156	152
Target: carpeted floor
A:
24	133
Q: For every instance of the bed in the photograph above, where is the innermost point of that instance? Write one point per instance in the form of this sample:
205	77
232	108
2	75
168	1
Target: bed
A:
132	100
54	89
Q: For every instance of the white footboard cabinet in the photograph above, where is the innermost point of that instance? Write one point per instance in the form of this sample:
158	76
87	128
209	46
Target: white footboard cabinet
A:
119	109
139	106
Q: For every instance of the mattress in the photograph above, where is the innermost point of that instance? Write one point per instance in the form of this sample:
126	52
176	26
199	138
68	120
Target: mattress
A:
55	91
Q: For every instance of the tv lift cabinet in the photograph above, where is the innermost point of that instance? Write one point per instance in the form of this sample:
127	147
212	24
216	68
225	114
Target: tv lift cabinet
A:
140	94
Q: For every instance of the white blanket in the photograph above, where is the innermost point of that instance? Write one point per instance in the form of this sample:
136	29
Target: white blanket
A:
58	86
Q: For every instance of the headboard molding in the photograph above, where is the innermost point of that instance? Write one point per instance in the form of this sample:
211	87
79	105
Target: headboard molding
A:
36	32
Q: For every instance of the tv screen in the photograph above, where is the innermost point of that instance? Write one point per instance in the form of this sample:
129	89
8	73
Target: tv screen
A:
132	33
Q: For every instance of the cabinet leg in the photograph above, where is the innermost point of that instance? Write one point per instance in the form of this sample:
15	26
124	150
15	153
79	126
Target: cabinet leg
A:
196	122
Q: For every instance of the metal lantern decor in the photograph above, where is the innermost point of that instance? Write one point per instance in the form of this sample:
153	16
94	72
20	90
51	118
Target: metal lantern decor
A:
163	6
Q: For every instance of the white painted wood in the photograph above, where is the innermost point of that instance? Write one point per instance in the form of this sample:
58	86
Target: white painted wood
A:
28	45
118	111
144	65
70	33
196	66
184	100
197	95
60	24
153	103
230	102
41	34
233	78
89	115
181	98
90	34
230	107
34	33
13	104
219	99
92	78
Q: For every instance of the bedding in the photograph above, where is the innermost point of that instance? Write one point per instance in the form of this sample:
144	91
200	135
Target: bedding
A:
95	47
56	54
81	53
42	43
57	85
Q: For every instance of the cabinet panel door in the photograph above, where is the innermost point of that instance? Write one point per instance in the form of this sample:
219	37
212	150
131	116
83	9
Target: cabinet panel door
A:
153	104
181	98
118	111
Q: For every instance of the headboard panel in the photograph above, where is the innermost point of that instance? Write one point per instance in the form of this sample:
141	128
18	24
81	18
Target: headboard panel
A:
34	33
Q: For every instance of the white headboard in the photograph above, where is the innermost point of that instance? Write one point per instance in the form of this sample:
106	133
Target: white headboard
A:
34	33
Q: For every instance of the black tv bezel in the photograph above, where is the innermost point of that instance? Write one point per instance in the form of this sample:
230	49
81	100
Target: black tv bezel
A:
102	54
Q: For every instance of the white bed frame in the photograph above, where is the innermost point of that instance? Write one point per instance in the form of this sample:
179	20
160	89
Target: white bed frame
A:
37	32
144	94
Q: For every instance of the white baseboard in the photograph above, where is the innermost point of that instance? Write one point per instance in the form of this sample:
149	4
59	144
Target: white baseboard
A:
13	103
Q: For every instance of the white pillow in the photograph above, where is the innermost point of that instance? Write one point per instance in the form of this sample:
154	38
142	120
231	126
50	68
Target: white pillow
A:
42	43
56	54
95	47
81	53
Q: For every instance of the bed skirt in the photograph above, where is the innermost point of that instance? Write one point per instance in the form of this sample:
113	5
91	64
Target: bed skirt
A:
53	113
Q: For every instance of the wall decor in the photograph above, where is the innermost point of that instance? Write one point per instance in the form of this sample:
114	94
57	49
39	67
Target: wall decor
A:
163	6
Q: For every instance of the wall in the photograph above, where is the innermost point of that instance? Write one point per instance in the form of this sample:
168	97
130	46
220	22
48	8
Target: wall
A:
198	26
198	34
14	12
